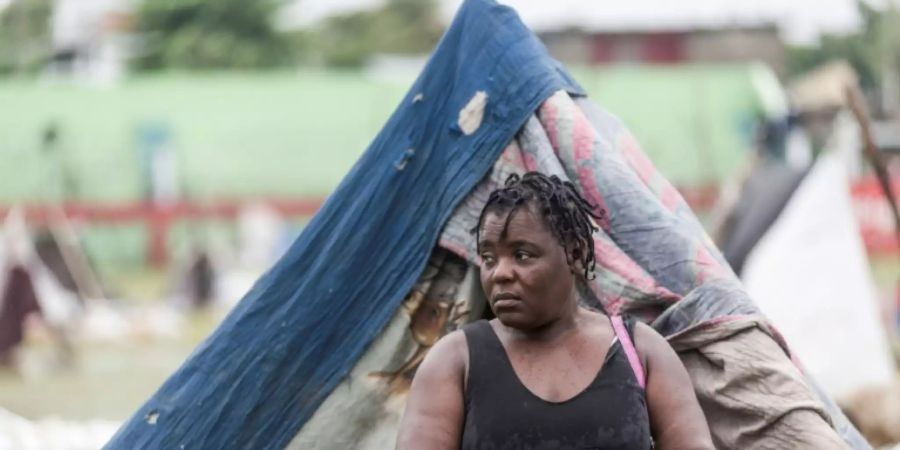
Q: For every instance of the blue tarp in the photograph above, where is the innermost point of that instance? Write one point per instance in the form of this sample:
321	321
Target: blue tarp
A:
256	380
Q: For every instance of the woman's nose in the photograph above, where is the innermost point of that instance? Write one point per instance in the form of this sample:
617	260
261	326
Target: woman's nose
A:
504	270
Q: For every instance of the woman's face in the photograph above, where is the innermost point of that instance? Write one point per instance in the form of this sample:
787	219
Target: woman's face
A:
524	271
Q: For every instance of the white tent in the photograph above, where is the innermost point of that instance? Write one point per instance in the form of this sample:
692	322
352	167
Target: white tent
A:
809	274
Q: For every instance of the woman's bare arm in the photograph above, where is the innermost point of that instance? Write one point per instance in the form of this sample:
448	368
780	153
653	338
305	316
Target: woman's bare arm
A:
676	419
434	410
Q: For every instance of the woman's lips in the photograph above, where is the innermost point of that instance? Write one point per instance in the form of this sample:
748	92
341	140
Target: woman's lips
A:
506	303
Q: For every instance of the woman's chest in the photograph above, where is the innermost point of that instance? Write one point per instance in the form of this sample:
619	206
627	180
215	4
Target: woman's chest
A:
605	416
557	374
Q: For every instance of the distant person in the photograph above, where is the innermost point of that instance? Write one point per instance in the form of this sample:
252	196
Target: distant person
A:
548	373
201	280
194	279
61	183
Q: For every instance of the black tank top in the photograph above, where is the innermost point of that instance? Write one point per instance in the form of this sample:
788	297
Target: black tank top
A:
501	413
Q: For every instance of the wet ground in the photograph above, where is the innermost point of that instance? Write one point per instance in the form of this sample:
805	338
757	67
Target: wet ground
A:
106	380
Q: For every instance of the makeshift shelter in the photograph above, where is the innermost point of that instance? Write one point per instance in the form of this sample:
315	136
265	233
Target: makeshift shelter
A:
809	274
29	284
17	300
796	243
763	196
320	351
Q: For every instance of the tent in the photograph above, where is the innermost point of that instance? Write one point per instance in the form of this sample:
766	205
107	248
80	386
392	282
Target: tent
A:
796	243
319	352
36	278
810	275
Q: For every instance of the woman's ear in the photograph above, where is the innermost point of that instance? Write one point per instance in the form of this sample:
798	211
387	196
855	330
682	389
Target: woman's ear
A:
575	265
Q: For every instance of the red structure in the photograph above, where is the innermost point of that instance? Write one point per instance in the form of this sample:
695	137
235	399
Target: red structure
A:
873	213
645	48
158	217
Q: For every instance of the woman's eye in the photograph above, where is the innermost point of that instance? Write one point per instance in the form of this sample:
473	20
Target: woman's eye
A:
487	259
522	256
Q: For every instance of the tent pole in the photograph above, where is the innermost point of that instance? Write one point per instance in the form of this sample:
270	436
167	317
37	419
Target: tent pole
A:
855	101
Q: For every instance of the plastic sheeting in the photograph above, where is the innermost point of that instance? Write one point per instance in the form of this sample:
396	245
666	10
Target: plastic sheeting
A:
810	276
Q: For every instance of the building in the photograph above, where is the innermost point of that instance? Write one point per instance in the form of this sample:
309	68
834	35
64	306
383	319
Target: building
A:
687	31
90	39
722	45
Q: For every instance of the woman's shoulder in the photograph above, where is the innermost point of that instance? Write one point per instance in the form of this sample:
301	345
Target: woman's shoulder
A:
451	350
650	345
645	335
452	339
646	341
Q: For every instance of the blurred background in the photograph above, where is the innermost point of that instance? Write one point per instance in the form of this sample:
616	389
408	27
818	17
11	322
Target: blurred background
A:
157	156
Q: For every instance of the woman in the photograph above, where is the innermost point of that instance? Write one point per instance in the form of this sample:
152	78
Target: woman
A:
547	373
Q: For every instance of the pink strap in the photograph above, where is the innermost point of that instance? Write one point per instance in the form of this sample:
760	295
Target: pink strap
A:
630	352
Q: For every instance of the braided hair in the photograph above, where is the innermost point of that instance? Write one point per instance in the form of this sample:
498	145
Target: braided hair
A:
562	208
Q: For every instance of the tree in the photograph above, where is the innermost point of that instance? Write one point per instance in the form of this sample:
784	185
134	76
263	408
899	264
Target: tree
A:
25	44
867	50
205	34
400	27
